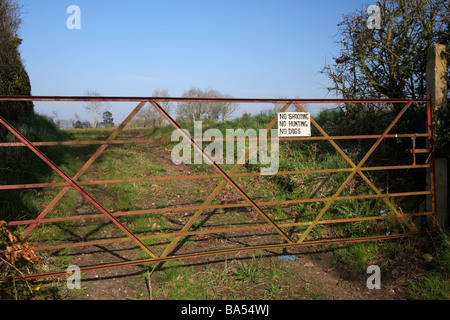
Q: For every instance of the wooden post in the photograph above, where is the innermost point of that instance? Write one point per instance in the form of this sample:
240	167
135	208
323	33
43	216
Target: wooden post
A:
436	78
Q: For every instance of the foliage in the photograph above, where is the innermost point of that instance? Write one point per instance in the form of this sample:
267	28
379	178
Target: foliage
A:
436	284
391	61
442	128
81	125
108	119
14	79
14	250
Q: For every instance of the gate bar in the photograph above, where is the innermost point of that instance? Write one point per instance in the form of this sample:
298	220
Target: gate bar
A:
206	176
182	99
222	230
151	140
213	253
219	206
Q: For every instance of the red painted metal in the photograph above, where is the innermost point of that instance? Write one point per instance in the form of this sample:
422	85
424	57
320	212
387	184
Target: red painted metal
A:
219	206
181	99
152	140
69	183
198	177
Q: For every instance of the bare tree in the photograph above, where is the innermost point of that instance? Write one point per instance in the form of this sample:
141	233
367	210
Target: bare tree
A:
55	118
166	105
96	108
224	109
197	110
191	110
148	116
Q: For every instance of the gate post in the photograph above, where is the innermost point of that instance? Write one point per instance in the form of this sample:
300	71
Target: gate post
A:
436	81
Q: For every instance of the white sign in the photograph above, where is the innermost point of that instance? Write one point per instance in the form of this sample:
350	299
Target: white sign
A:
294	124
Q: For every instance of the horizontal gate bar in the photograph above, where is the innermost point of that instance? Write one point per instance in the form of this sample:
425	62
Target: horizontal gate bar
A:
220	206
209	176
151	140
181	99
214	253
215	231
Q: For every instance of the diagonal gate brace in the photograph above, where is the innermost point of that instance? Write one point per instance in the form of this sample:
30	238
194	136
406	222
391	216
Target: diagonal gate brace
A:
224	175
74	185
352	174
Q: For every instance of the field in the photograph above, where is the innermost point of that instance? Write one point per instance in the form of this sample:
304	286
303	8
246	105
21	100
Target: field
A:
411	268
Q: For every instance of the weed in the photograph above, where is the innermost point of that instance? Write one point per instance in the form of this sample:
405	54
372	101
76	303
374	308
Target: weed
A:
272	290
177	282
317	296
273	273
436	284
249	271
356	257
434	287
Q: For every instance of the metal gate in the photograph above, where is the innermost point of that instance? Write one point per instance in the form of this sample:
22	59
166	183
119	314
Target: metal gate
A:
285	239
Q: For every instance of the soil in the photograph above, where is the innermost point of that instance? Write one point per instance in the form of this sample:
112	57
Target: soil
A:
313	269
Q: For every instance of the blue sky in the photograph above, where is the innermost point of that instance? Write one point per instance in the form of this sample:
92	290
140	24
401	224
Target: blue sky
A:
246	48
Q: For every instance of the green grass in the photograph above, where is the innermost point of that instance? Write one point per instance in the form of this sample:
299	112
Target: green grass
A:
250	271
357	257
436	283
233	279
434	287
179	282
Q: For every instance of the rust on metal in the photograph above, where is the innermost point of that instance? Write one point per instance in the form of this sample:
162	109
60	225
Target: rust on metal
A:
226	178
219	206
212	253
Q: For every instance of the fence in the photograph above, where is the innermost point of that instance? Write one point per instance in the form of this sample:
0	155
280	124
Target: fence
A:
285	239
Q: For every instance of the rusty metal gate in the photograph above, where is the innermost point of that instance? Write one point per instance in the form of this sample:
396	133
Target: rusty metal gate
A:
269	224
